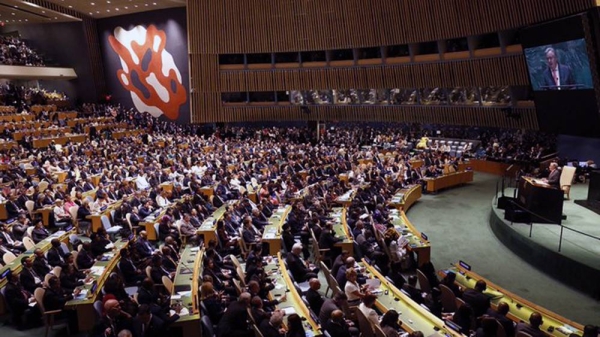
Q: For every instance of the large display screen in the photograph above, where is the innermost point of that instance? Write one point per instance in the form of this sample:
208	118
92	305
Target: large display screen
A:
557	54
559	66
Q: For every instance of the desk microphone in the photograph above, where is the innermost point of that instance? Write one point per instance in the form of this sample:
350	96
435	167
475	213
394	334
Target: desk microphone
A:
186	267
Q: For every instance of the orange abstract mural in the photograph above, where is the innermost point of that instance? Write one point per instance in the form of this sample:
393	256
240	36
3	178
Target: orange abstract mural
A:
148	71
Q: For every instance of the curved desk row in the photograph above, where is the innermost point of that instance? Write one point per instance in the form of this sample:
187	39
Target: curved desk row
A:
185	290
100	271
272	232
293	300
448	180
414	317
417	241
406	197
519	308
340	228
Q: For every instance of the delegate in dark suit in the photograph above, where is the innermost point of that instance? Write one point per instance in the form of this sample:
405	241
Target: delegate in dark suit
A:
298	269
565	75
154	328
233	322
477	300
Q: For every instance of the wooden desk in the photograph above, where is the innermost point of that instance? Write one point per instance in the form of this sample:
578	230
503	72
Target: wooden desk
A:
186	282
293	300
17	118
96	218
45	212
413	316
493	167
207	191
3	213
346	198
4	145
416	242
449	180
44	142
67	115
340	227
272	232
16	265
519	309
60	176
208	229
406	197
84	307
126	133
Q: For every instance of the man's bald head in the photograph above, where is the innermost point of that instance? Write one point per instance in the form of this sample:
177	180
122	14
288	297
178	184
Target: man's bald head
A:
350	262
337	315
535	319
314	283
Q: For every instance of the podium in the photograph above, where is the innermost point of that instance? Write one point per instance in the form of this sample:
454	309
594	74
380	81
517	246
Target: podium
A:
593	198
544	202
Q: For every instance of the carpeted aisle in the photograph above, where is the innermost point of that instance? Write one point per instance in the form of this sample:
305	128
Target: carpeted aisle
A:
457	224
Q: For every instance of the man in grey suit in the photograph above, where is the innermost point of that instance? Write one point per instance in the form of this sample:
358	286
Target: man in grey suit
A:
554	176
556	76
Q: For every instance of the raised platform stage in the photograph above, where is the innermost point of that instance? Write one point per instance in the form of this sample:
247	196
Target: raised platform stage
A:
577	264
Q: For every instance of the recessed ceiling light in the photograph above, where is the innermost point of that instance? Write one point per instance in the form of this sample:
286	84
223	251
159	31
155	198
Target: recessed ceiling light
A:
12	13
92	3
70	6
44	12
117	9
126	7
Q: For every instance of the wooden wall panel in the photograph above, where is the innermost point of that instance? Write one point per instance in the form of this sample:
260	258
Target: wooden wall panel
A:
500	71
482	116
244	26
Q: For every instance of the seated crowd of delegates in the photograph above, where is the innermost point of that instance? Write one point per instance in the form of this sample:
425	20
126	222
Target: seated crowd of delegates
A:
14	51
272	159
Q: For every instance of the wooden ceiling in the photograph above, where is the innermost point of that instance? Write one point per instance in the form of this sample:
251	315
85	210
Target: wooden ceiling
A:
15	12
108	8
23	12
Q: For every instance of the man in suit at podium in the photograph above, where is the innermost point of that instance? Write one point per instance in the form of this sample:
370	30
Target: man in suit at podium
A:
554	176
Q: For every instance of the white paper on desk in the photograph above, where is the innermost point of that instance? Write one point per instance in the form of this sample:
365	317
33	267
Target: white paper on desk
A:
32	304
373	283
183	293
194	249
183	312
289	310
110	246
175	297
278	286
269	236
59	233
97	270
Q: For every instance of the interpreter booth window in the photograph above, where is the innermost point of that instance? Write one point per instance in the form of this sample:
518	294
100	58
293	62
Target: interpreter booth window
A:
464	96
373	96
297	98
282	96
342	55
231	59
346	96
320	97
400	96
427	48
262	96
433	96
457	45
313	56
261	58
495	96
287	57
398	51
491	40
234	97
369	53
